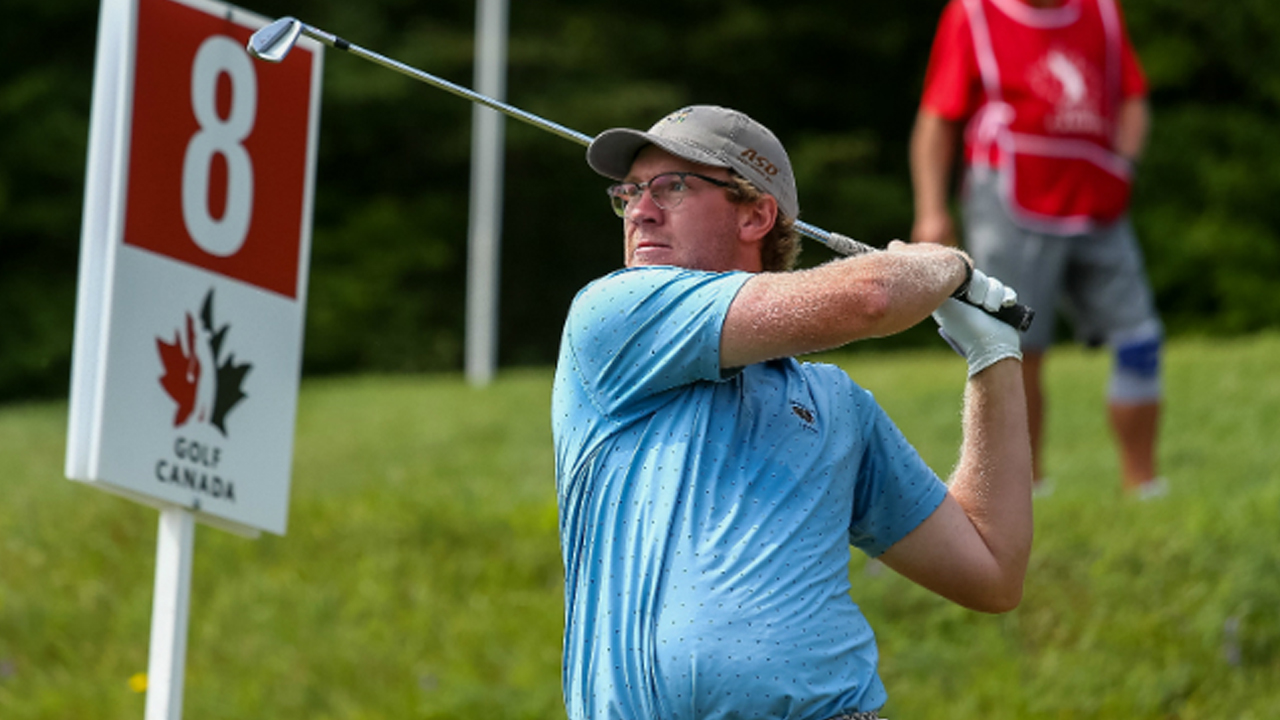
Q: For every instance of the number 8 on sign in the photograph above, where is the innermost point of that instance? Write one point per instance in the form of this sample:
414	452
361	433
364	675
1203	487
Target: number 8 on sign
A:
217	136
221	150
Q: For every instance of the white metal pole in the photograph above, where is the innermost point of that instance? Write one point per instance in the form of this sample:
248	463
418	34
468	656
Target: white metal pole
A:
485	222
170	610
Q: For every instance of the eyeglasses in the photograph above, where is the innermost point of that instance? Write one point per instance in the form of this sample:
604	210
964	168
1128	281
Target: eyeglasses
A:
667	190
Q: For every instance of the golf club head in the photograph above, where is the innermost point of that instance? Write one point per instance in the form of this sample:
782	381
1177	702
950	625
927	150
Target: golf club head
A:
273	42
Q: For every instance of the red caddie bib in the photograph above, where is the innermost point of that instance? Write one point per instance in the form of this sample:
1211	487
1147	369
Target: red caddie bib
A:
1053	89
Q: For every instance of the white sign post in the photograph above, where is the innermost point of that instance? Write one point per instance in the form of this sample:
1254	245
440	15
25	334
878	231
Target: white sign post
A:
194	252
170	610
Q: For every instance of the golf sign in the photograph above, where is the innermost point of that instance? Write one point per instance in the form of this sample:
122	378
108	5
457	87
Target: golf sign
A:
193	267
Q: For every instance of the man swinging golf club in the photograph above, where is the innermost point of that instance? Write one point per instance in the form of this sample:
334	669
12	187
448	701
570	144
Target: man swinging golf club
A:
710	485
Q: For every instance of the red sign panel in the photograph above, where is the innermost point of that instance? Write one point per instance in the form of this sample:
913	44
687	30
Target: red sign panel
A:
218	155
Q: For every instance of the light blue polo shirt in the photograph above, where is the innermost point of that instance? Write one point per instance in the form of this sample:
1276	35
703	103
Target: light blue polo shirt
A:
706	517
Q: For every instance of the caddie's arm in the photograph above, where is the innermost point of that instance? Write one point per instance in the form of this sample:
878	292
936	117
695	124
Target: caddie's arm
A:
932	153
784	314
1133	122
974	548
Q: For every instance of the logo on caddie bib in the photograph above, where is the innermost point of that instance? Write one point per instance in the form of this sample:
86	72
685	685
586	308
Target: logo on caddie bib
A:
1074	87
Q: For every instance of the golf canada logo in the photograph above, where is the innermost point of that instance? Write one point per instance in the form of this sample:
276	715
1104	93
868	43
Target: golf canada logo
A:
205	382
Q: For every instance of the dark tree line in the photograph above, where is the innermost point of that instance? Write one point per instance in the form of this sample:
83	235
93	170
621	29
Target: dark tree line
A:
838	81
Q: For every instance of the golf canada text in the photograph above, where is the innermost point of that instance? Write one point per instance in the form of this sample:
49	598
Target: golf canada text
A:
194	467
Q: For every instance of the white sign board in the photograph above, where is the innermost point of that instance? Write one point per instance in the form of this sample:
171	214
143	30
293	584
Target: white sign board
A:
194	255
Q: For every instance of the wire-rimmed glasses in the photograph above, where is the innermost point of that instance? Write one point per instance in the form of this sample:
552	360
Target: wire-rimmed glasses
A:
667	190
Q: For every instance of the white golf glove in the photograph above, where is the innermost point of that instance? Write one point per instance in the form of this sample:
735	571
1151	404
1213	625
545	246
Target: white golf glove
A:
980	338
986	292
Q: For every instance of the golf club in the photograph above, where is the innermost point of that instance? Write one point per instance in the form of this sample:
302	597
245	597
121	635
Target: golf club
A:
273	43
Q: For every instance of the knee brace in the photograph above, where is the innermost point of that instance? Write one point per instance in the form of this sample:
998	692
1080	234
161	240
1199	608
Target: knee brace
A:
1135	376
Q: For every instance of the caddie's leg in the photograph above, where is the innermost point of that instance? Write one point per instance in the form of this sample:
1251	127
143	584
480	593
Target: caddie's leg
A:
1111	300
1134	401
1135	427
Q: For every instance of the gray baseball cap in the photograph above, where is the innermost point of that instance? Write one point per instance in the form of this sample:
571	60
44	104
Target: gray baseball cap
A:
709	135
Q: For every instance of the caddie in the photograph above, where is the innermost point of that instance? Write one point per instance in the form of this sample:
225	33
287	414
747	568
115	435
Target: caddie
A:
1046	101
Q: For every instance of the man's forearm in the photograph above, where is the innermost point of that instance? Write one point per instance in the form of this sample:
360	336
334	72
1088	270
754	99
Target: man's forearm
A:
974	548
992	482
873	295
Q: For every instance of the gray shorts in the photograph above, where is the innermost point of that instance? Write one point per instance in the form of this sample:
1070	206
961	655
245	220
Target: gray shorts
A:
1097	280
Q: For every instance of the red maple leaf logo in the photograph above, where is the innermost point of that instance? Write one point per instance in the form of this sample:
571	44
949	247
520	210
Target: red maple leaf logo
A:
181	371
224	380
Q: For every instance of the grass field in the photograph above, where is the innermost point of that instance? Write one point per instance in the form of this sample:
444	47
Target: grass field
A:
421	578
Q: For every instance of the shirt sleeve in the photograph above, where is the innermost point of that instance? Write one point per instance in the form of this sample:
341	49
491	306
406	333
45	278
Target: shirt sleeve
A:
952	83
638	333
895	489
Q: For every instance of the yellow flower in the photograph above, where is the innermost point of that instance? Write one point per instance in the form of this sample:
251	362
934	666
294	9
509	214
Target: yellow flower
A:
138	683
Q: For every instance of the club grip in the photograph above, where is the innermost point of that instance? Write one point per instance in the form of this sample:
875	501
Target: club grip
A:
1017	315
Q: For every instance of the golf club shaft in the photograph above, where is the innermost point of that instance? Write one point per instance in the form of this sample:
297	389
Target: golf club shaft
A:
838	243
466	93
1019	316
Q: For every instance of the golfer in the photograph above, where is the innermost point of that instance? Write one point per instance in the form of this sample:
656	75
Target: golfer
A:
710	485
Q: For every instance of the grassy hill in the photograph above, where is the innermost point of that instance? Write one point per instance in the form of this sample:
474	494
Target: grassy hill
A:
421	578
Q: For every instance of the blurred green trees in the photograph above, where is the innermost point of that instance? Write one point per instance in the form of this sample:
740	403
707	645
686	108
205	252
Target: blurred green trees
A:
838	82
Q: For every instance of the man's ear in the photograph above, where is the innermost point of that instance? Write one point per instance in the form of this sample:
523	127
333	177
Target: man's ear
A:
757	219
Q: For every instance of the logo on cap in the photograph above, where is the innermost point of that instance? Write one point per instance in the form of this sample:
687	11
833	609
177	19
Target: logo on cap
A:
678	116
759	162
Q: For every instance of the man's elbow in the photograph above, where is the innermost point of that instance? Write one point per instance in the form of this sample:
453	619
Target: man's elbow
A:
875	304
867	311
1002	597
